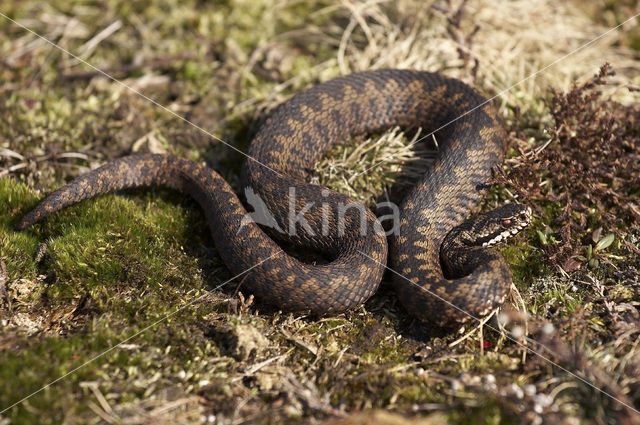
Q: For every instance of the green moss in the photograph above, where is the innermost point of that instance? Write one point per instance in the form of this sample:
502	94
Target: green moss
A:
491	412
525	261
16	248
123	257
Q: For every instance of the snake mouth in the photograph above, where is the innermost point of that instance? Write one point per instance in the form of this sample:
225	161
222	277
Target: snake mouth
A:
505	235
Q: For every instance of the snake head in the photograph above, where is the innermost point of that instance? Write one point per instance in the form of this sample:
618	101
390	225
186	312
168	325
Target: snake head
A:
490	228
500	224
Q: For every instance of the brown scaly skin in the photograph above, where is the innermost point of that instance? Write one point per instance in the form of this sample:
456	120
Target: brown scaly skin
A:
299	286
290	143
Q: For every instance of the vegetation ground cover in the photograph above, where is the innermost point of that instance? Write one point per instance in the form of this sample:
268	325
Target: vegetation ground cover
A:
100	272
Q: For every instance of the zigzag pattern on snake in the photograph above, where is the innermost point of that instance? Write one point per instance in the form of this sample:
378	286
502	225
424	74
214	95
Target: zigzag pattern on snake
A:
443	281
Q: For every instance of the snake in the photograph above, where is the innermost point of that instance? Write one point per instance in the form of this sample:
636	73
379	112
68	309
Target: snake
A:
441	262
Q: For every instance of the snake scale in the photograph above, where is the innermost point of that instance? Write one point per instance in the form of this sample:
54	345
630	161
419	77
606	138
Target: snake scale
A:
441	266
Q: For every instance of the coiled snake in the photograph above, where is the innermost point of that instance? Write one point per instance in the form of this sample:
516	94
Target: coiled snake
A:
472	278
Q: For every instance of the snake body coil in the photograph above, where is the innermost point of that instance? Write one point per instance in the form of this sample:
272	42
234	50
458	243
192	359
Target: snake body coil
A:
472	279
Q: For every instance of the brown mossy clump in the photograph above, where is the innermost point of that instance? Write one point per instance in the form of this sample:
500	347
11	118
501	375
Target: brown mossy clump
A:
587	171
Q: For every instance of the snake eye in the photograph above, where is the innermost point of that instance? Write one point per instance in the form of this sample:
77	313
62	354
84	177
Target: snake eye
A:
506	222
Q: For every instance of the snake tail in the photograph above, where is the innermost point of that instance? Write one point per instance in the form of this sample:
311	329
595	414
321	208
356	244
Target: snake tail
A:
242	244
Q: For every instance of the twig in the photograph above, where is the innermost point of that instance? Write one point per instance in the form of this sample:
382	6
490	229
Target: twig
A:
472	331
3	285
